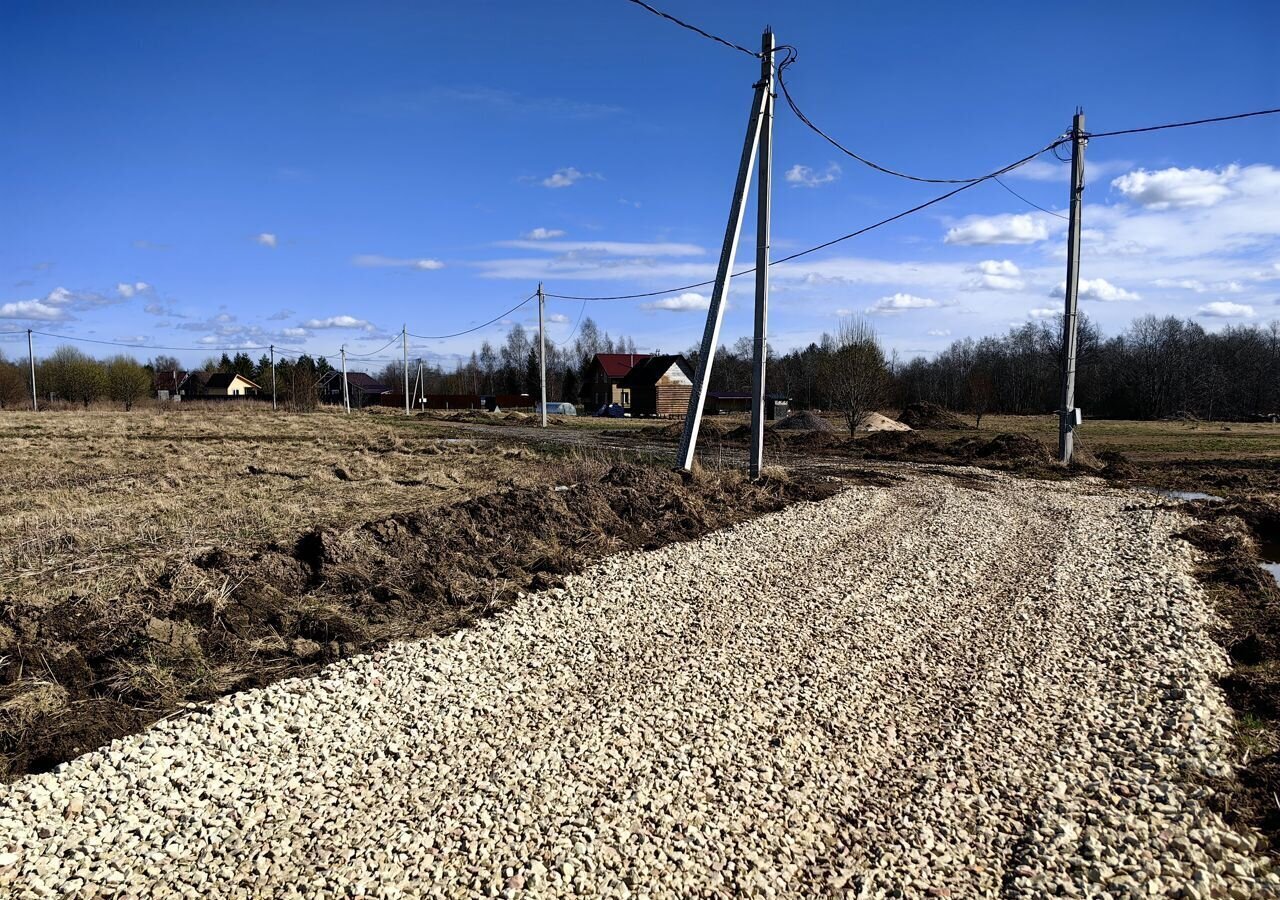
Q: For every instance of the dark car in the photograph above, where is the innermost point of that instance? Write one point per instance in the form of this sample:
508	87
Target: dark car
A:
611	411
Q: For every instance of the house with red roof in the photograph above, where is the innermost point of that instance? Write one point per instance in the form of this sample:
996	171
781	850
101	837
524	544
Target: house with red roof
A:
602	382
641	383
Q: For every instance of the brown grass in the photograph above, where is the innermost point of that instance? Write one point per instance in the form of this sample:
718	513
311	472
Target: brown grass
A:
94	502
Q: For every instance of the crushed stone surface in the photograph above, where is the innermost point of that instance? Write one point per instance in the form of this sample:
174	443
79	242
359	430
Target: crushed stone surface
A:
943	688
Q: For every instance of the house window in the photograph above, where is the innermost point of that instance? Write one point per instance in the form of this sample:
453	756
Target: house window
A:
626	398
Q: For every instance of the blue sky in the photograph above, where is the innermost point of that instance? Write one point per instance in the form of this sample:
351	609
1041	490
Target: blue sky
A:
313	174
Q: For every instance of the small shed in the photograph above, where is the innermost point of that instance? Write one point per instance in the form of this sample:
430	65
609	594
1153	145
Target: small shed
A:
659	386
776	406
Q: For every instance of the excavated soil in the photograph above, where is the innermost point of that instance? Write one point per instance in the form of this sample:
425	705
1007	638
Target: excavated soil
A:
1248	602
72	677
932	416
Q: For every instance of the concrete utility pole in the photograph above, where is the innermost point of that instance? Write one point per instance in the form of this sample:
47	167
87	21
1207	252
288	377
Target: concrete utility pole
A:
1068	415
273	377
404	347
542	350
31	361
764	196
346	396
728	250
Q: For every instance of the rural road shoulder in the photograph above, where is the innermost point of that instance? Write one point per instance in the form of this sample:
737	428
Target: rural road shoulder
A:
985	688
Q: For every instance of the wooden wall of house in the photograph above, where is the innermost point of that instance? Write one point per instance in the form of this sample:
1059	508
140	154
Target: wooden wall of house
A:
672	400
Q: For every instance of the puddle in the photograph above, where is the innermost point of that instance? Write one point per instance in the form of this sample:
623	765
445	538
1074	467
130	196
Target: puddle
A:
1184	495
1269	550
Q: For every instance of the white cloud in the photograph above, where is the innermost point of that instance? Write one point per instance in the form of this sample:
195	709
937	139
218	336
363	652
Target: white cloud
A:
1048	170
267	239
892	305
542	234
155	309
688	302
1099	289
557	318
1221	309
804	176
1023	228
373	261
1176	188
939	332
295	332
1200	287
996	275
339	322
126	290
1044	312
580	249
36	310
563	178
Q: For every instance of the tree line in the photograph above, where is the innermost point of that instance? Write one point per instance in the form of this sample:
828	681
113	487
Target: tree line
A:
1155	368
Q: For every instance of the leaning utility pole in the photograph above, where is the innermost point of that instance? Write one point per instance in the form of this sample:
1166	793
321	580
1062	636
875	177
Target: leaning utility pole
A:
346	396
31	361
1068	415
728	250
273	377
764	195
404	348
542	350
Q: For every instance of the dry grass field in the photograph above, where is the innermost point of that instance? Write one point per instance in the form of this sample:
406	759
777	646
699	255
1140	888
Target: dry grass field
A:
155	558
91	502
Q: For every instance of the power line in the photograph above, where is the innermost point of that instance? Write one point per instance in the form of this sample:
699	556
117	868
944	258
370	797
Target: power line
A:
790	57
823	246
577	323
67	337
437	337
694	28
1028	202
1248	115
374	353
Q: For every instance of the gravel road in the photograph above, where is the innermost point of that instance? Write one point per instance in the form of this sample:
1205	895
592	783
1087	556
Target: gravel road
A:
970	688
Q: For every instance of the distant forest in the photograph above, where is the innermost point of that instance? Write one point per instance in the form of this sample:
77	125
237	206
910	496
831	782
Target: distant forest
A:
1156	368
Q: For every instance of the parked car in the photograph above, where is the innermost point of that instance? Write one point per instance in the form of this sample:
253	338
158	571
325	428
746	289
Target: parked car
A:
611	411
557	408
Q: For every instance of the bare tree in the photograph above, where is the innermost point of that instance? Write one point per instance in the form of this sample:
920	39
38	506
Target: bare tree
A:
856	375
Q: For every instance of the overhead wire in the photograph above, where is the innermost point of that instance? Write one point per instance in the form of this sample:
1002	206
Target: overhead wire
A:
67	337
1247	115
1028	202
790	55
497	318
825	244
694	28
374	353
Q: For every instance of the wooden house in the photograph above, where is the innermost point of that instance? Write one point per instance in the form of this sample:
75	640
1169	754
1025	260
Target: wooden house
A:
658	386
602	383
362	389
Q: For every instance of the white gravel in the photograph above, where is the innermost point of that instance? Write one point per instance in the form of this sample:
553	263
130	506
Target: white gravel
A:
927	690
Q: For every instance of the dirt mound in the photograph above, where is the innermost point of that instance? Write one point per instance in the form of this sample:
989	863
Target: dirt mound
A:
896	445
227	619
932	416
876	422
803	420
1002	451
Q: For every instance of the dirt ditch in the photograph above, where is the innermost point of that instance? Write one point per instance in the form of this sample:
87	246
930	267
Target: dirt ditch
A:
77	675
1248	599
